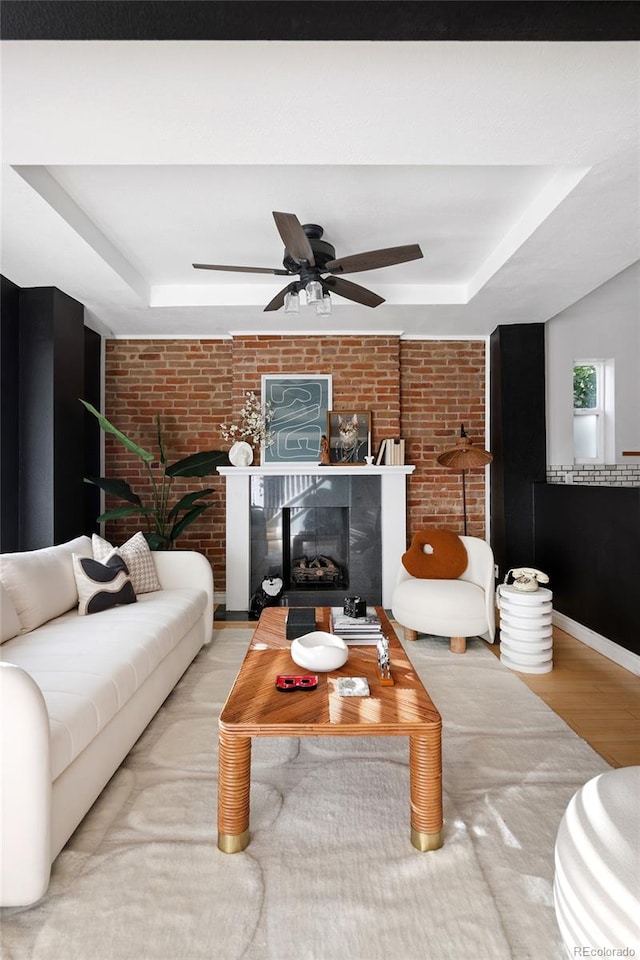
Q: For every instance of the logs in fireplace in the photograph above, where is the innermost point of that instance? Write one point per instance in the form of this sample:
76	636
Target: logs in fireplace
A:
317	570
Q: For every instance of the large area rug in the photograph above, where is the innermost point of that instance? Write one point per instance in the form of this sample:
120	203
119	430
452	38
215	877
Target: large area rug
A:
330	873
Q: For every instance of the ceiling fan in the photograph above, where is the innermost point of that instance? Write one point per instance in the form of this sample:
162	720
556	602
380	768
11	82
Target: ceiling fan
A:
314	261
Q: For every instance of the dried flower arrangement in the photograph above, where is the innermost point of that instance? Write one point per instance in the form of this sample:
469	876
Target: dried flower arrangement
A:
253	427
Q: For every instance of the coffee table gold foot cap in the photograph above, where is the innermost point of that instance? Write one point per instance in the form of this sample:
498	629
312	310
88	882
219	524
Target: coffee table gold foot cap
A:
233	842
426	841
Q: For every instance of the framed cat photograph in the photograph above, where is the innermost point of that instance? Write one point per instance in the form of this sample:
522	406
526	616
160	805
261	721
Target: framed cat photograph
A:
349	436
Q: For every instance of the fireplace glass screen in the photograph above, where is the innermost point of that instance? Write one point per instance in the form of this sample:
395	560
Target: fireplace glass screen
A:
320	534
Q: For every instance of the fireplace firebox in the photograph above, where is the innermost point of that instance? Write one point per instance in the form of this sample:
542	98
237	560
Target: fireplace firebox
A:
321	534
315	547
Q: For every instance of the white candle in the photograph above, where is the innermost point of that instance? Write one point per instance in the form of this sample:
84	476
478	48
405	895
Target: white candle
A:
369	443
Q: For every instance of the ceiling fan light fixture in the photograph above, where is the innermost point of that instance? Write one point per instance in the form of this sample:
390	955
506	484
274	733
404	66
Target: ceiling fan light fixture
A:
291	302
323	307
314	292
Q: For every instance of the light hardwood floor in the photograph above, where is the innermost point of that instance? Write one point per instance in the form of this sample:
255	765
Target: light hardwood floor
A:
594	696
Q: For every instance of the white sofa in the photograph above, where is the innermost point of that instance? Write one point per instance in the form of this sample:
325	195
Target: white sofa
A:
77	691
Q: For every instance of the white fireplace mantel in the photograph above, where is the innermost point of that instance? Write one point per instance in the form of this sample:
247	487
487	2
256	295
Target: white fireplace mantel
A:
393	490
313	469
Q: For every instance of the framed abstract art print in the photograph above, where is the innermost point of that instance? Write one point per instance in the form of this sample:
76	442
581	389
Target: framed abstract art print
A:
299	405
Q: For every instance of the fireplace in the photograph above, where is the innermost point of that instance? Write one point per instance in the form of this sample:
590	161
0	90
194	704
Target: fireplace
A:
315	548
320	534
353	515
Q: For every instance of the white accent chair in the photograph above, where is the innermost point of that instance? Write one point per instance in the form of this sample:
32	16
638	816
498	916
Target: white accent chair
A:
450	608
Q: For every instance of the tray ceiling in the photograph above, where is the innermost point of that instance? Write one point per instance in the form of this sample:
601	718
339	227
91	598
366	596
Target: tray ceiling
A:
515	166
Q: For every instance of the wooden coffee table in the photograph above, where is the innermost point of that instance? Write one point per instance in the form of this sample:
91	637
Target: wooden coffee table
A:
254	708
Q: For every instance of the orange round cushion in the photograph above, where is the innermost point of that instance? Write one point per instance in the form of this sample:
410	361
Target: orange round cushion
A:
448	560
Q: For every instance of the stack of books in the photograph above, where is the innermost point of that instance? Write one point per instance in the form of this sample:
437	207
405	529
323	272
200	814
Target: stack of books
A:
391	452
365	630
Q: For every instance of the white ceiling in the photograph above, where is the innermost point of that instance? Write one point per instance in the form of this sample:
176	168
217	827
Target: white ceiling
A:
515	166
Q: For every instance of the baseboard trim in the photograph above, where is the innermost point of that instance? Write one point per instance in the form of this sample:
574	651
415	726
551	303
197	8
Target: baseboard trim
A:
613	651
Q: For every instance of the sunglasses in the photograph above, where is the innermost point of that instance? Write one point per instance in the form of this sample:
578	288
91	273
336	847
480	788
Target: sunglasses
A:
288	682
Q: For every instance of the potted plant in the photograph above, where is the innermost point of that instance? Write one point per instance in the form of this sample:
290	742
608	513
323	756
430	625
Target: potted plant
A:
165	521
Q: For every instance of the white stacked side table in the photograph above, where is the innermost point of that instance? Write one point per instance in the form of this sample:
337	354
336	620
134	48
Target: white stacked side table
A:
526	632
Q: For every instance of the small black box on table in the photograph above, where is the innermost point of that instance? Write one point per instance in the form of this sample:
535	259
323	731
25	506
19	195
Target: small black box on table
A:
300	620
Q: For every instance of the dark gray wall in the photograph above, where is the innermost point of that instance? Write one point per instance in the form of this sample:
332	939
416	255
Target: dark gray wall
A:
49	359
91	434
588	541
51	418
9	420
518	440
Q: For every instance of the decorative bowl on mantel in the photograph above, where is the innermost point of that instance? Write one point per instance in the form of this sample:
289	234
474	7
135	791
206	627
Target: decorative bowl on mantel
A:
319	651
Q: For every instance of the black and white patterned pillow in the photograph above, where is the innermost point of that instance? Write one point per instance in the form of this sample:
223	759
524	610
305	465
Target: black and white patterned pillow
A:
137	556
102	585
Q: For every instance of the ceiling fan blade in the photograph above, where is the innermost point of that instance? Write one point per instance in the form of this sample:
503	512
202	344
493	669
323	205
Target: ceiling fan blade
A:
218	266
294	237
352	291
278	300
373	259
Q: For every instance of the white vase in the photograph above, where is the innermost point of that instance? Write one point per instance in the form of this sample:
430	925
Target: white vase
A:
241	454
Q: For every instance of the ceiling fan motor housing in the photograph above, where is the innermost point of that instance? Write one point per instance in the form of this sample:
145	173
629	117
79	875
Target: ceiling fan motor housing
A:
322	252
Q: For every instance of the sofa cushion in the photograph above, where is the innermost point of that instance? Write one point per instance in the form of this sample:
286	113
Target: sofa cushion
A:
41	583
88	667
137	556
9	620
102	585
435	554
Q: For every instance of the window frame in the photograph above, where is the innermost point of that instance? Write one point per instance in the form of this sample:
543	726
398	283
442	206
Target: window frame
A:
599	411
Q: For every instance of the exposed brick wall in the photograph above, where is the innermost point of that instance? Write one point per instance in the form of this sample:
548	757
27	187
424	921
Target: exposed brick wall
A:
187	382
442	385
365	371
421	389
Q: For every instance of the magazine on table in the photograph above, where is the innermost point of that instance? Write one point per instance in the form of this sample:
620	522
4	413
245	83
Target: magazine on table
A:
365	630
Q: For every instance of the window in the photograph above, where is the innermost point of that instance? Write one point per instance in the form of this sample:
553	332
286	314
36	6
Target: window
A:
592	410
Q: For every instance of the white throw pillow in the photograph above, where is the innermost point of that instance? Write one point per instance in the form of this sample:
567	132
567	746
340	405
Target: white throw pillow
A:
102	585
9	620
41	582
137	556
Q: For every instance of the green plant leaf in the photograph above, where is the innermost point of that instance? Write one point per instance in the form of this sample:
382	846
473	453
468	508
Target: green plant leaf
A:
117	487
163	456
118	512
123	438
189	500
157	541
188	519
198	464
